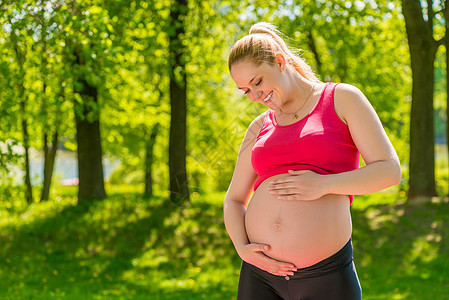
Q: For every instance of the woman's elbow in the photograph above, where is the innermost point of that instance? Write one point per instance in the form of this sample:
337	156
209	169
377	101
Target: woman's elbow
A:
396	172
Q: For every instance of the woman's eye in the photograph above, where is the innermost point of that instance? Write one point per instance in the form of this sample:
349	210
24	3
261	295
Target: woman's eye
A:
259	82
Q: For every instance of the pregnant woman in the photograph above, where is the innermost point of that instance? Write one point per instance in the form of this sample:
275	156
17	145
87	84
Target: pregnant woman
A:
301	158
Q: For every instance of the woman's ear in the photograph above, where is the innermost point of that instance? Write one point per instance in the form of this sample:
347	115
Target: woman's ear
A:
280	61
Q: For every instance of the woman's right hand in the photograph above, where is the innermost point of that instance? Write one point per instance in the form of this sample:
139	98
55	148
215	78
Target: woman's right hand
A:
254	254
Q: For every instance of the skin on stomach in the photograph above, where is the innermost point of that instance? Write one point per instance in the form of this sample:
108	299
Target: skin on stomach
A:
299	232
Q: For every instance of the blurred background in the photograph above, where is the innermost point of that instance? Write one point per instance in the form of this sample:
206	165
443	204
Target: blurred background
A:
120	127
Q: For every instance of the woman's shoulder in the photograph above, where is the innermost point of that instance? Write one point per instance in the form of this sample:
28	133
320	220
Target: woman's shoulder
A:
345	90
350	102
256	125
252	132
258	121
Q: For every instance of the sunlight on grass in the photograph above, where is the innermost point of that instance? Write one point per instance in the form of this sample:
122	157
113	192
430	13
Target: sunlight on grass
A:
150	259
379	198
130	247
422	249
36	211
400	296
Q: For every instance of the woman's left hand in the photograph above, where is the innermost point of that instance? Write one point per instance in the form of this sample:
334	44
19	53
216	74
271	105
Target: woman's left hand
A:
300	185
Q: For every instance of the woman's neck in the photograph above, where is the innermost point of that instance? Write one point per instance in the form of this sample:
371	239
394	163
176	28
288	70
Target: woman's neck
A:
300	89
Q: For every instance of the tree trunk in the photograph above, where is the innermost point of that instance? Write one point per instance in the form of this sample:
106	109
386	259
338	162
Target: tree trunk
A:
20	56
49	152
446	17
150	141
26	139
90	166
49	162
312	47
179	190
422	142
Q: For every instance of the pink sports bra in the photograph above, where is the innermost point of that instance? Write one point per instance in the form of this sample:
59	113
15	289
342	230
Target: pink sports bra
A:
319	142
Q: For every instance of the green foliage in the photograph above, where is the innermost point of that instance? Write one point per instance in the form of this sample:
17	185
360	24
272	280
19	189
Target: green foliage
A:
132	248
442	170
12	196
121	47
8	155
440	96
125	174
362	43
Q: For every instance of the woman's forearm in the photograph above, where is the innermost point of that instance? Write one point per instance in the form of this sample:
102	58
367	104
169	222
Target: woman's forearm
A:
234	219
369	179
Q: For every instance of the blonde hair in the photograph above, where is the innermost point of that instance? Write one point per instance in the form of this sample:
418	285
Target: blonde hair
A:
262	44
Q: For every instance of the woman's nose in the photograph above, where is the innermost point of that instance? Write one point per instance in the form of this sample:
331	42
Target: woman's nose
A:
255	95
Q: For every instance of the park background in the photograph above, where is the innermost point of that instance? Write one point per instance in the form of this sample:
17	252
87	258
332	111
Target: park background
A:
120	128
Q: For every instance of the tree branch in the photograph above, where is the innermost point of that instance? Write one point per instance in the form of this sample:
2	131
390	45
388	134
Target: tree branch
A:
430	14
412	10
441	11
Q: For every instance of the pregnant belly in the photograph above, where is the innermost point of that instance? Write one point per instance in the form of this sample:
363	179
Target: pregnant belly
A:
300	232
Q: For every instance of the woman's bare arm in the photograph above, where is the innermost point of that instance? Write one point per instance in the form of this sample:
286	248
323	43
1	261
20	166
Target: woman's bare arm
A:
235	204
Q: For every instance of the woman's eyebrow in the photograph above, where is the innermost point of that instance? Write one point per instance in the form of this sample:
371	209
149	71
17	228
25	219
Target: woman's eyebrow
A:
249	82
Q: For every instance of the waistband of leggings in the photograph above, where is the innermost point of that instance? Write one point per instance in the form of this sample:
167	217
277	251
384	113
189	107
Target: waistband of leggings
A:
333	263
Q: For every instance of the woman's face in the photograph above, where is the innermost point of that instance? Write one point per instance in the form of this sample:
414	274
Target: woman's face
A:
266	83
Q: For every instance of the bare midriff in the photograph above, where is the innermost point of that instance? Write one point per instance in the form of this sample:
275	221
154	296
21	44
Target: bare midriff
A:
299	232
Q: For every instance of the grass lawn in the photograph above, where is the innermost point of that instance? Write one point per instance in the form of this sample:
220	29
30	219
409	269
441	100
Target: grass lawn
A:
128	247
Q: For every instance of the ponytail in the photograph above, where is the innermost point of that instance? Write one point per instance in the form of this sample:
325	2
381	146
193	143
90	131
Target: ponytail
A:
262	44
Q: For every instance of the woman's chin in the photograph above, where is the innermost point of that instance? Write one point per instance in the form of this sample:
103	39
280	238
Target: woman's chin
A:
272	105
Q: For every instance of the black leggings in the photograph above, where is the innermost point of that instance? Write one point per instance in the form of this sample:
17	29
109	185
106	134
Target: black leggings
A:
333	278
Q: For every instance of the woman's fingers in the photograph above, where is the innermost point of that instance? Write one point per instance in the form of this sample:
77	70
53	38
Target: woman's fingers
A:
264	262
300	185
280	272
278	186
272	265
290	191
259	247
279	266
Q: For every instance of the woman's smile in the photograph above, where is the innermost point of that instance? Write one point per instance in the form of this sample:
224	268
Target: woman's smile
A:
268	98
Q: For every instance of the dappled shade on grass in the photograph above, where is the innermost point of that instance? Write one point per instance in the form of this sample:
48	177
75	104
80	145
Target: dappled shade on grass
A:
123	246
127	247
